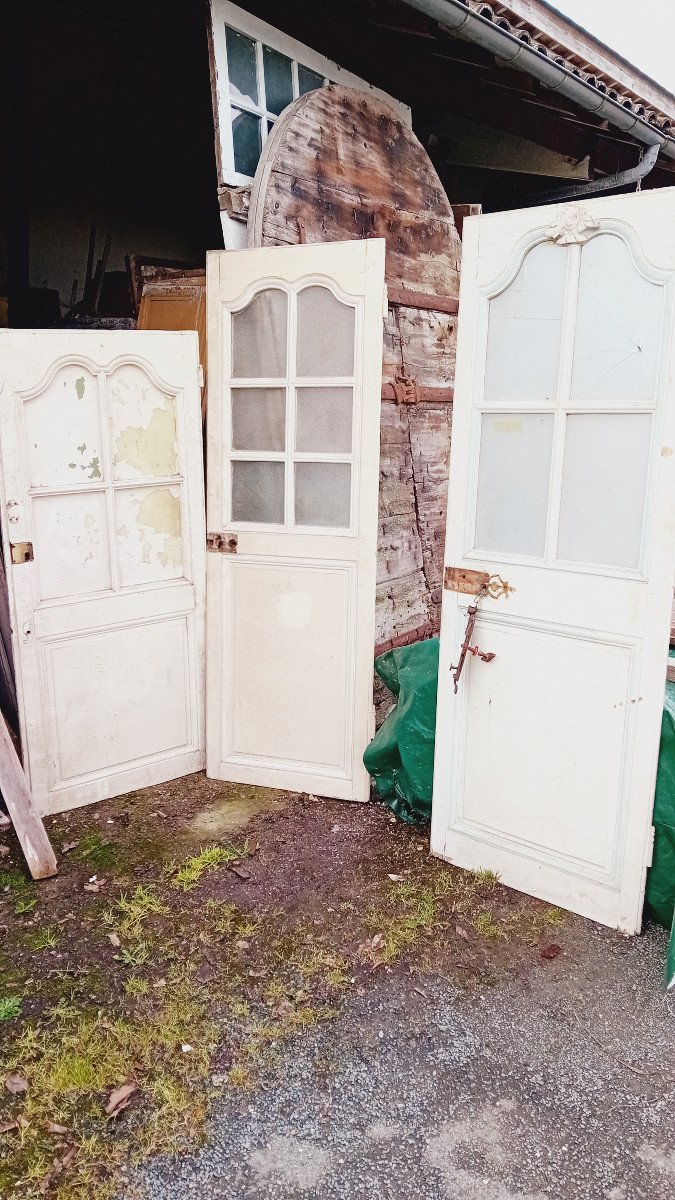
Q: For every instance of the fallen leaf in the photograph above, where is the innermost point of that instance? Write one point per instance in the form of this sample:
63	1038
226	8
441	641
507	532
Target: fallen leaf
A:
377	941
119	1098
52	1127
396	878
240	871
461	933
66	849
186	1047
94	884
8	1126
551	951
4	850
242	944
205	973
114	940
16	1084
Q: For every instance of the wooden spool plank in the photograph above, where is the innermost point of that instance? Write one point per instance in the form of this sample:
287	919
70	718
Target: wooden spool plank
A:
339	165
27	824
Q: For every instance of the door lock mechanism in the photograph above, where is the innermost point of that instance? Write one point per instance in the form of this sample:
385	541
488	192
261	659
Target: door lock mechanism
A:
485	655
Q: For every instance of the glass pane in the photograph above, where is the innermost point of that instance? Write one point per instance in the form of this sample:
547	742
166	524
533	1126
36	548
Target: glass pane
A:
324	420
322	492
259	336
308	80
619	319
278	80
513	482
604	484
241	66
325	334
258	492
258	418
524	329
247	141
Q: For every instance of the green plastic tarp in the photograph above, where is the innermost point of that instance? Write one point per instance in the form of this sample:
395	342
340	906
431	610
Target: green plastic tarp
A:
401	756
660	893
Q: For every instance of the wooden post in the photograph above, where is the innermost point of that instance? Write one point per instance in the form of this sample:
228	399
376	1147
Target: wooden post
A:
28	825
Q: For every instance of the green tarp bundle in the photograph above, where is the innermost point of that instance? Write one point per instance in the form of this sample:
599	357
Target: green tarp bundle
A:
660	894
401	756
401	761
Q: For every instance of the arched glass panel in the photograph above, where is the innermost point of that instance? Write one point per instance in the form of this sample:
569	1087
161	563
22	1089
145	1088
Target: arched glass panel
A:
524	330
618	330
259	335
325	334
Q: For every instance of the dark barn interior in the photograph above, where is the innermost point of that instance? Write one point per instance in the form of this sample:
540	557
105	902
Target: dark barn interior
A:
112	123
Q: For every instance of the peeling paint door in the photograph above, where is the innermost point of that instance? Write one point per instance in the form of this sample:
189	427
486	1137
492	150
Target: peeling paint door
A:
295	363
103	531
562	484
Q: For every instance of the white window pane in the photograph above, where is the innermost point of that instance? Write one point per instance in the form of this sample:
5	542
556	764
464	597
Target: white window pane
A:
258	492
247	141
524	330
259	336
278	80
324	420
308	81
513	482
322	492
618	333
241	66
258	418
325	334
604	486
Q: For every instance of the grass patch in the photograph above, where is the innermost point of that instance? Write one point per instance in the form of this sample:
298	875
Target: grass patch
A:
10	1007
128	914
187	876
486	925
46	938
24	905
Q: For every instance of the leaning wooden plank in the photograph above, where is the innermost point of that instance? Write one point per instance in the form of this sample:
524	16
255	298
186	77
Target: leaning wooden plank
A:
16	794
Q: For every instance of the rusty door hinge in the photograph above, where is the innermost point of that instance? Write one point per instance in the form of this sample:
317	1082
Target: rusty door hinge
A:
466	648
22	552
222	543
475	583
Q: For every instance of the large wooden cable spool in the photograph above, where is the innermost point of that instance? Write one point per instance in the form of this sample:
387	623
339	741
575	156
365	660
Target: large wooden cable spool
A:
339	165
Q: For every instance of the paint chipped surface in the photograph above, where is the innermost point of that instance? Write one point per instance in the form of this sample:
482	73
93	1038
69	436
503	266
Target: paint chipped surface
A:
79	387
62	430
143	422
148	530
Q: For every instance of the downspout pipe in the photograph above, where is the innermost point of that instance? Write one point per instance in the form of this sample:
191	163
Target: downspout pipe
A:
459	19
621	179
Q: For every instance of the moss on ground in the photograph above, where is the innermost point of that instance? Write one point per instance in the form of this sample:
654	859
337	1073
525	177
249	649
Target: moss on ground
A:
167	981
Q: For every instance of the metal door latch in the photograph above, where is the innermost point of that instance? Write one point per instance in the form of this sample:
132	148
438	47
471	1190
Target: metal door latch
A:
22	552
484	655
222	543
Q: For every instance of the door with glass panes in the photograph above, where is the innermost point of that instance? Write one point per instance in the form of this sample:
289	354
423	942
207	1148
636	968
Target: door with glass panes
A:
562	486
295	360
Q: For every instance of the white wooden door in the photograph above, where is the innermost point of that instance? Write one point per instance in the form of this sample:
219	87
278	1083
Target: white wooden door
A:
101	446
562	483
295	361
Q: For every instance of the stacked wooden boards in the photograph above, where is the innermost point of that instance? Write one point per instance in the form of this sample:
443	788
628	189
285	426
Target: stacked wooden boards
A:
339	165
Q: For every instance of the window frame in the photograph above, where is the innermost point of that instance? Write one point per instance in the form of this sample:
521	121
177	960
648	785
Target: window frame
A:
223	14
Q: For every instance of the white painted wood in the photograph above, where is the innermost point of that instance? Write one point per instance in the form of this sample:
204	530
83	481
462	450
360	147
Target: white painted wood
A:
224	14
291	614
37	850
101	446
546	757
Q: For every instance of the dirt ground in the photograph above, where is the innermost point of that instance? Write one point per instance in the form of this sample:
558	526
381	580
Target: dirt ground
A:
200	939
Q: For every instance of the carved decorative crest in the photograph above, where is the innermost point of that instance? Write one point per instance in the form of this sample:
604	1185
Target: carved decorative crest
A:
572	226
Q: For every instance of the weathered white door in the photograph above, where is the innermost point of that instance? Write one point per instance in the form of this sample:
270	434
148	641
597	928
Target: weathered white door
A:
100	436
295	361
561	483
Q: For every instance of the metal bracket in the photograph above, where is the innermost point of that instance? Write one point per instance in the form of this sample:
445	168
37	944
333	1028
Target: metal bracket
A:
474	583
22	552
222	543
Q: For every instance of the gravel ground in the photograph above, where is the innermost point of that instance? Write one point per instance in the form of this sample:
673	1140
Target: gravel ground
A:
556	1086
